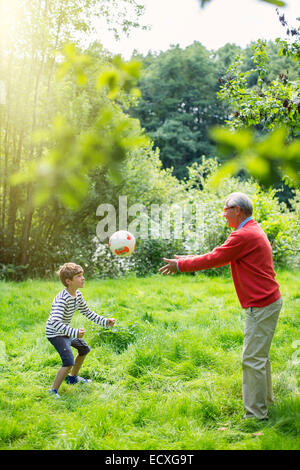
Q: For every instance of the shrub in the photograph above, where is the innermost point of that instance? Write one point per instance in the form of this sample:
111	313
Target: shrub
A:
208	229
12	272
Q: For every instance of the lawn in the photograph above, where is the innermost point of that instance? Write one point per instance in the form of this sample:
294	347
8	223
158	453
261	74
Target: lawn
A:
168	376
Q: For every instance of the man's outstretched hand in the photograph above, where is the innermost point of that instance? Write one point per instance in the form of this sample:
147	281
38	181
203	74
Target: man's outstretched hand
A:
170	267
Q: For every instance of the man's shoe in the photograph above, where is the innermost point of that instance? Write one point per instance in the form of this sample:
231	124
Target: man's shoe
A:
54	392
266	418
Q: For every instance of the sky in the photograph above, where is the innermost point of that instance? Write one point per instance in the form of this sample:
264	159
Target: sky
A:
221	21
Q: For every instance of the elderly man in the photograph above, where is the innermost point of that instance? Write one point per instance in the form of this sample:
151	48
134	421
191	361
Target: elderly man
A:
248	251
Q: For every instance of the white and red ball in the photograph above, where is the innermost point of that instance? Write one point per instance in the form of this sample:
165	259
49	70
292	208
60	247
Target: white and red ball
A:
122	243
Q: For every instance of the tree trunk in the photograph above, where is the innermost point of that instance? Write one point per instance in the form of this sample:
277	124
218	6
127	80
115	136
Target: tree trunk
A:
5	175
29	202
27	226
14	195
50	78
6	145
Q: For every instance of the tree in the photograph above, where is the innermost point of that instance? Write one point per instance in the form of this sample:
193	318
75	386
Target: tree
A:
267	104
179	104
272	107
31	34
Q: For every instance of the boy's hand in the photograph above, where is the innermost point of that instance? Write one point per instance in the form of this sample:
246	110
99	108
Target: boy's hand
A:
80	333
110	321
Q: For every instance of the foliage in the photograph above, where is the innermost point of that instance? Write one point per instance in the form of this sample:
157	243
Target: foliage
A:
279	3
201	232
274	218
273	108
204	228
61	122
266	104
68	141
10	271
52	116
267	158
178	104
66	165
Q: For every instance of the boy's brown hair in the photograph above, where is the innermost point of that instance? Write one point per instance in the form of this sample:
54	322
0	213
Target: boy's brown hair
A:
68	271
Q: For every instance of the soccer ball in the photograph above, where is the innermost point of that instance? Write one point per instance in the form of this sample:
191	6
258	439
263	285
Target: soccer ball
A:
122	243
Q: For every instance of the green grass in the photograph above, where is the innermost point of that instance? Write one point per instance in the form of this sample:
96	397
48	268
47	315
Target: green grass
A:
168	377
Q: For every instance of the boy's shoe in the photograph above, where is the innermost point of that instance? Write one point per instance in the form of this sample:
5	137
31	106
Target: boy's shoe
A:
74	379
54	392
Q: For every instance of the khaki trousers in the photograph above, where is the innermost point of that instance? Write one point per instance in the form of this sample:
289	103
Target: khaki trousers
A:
260	324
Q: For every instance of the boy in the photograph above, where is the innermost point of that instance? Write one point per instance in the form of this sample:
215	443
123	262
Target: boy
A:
58	330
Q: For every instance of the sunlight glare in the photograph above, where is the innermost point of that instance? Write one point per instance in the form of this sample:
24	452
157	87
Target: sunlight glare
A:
10	14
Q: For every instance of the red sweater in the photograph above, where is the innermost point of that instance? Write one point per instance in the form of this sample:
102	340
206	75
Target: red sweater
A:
250	256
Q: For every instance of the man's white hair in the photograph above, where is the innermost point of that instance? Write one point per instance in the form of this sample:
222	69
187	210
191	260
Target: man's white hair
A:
241	200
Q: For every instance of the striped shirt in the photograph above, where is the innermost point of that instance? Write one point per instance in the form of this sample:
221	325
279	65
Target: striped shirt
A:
63	308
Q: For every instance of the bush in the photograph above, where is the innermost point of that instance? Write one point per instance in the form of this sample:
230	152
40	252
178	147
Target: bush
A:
280	224
12	272
207	229
150	253
147	258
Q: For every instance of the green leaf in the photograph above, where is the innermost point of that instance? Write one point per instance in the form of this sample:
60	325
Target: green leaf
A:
278	3
109	78
257	166
230	141
225	171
